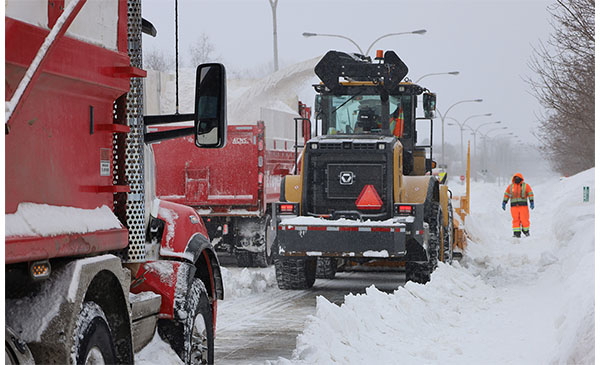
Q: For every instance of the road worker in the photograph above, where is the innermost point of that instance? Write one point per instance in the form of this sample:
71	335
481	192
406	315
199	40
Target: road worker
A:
397	122
518	192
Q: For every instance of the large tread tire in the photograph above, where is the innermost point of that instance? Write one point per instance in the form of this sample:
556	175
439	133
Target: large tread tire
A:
421	272
264	258
93	340
243	258
326	268
418	273
295	273
192	338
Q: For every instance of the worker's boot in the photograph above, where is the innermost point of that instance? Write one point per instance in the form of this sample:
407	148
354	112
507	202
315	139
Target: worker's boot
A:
517	234
526	233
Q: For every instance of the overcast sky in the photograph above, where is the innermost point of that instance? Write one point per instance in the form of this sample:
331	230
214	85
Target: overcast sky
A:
488	42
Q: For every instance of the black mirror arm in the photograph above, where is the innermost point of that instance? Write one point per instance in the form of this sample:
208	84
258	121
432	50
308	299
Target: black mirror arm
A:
166	119
153	137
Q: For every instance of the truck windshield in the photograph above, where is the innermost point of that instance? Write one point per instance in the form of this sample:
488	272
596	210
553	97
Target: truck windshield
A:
361	114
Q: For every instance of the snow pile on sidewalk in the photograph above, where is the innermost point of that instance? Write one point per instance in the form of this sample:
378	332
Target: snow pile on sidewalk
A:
509	301
241	282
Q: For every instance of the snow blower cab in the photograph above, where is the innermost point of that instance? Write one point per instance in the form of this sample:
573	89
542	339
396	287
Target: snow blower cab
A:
364	191
363	99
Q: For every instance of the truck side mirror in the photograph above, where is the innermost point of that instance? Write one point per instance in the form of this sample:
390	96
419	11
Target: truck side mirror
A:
429	105
210	113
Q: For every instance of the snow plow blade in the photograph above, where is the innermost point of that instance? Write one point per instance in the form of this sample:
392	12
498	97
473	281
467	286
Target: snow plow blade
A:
336	240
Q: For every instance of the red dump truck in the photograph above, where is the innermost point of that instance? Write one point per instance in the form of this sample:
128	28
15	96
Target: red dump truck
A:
94	262
233	191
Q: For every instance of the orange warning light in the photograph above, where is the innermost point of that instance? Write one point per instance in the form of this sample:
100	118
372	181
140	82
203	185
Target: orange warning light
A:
368	198
379	54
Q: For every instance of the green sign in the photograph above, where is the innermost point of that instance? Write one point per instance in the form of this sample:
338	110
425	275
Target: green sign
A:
586	194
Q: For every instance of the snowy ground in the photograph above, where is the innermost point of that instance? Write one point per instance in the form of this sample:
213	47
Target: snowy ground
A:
510	301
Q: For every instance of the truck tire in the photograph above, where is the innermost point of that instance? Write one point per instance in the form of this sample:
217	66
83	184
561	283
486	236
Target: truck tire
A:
265	258
326	268
93	341
192	337
243	258
421	272
295	273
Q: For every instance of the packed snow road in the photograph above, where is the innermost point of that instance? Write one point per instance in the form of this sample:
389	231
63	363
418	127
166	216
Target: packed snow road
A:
264	326
509	301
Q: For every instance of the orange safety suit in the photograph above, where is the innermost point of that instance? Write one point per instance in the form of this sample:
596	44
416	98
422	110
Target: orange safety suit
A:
397	122
518	193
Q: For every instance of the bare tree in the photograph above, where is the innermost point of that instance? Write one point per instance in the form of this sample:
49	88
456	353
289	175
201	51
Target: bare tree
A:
158	60
202	51
564	86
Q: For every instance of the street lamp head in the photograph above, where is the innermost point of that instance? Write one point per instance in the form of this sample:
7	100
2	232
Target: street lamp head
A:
504	128
487	115
478	100
498	122
453	73
306	34
420	31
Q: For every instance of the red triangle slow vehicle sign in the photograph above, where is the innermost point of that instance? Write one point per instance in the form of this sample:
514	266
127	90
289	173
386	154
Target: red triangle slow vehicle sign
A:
368	198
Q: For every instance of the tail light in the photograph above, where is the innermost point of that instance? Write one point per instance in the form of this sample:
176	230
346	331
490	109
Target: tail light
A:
40	270
403	209
260	178
287	208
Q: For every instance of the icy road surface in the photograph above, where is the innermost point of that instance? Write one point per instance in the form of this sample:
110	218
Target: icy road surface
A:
264	326
509	301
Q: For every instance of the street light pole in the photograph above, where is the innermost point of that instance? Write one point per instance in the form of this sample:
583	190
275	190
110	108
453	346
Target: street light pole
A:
309	34
444	117
462	129
420	31
437	73
275	52
475	137
485	139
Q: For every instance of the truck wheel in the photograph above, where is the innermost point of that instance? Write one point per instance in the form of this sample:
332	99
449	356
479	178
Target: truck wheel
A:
93	341
421	272
265	258
243	258
295	273
192	337
326	268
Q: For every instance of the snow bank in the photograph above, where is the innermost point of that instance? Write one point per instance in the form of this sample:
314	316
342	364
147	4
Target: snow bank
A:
47	220
509	301
157	352
245	97
241	282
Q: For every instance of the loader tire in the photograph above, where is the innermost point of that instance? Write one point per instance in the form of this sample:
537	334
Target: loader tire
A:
421	272
295	273
243	258
326	268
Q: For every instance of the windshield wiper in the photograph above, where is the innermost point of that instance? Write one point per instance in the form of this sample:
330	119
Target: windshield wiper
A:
345	102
